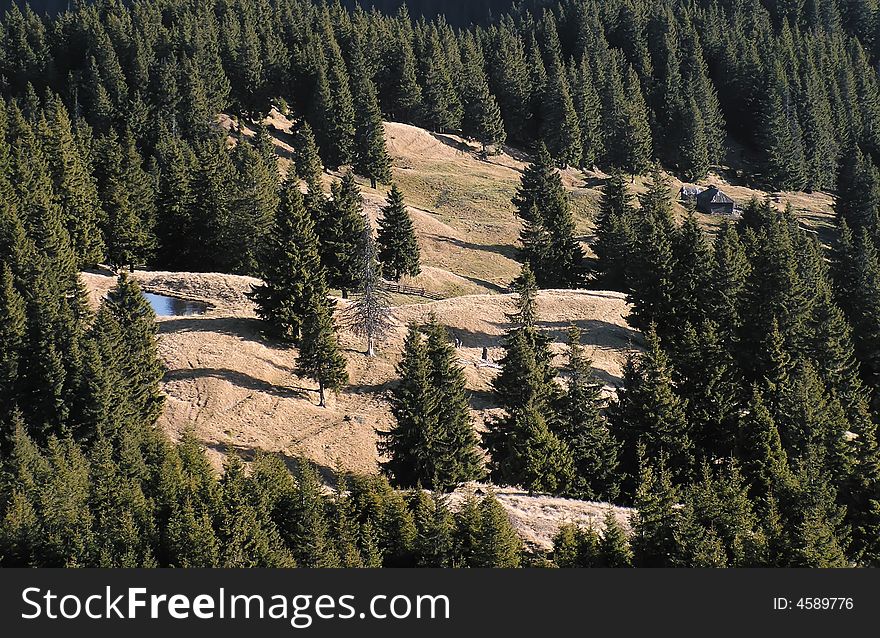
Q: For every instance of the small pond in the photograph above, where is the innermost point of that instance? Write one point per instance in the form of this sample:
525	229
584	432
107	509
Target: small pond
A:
165	306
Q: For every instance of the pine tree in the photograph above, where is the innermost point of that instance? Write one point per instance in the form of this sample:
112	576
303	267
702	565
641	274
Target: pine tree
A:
319	357
482	116
340	231
368	315
413	445
541	203
398	247
371	157
458	440
584	430
307	158
615	234
291	269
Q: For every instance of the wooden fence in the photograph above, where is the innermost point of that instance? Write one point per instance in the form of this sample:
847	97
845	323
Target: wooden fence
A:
391	286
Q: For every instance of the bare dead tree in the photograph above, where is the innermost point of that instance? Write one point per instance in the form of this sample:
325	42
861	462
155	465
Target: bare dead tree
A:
369	314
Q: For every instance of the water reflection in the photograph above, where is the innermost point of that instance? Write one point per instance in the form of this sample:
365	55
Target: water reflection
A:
165	306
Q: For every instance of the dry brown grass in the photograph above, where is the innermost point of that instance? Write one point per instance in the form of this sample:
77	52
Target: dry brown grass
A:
240	391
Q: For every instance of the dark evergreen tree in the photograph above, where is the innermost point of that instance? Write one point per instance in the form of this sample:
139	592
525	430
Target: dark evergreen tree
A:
290	268
371	157
584	430
340	231
398	247
319	356
548	238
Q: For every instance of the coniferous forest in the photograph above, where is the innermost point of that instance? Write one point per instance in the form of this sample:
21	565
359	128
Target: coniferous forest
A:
744	432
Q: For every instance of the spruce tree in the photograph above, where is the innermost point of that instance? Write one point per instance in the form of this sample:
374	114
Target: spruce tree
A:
541	203
441	107
650	413
498	544
253	207
523	449
584	430
139	352
290	268
368	314
75	187
783	137
482	116
340	231
307	159
628	137
319	356
615	233
371	158
614	546
13	325
398	247
174	203
459	452
589	109
657	519
652	270
413	444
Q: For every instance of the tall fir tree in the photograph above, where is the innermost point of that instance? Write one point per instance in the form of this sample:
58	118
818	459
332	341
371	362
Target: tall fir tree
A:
398	246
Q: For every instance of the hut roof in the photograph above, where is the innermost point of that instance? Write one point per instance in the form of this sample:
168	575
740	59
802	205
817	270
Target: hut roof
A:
713	196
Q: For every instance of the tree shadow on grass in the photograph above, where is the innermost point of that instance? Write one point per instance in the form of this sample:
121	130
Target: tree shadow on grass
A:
244	328
239	379
505	250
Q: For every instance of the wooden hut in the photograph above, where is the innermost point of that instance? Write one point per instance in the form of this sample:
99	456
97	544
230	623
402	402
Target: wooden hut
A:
713	202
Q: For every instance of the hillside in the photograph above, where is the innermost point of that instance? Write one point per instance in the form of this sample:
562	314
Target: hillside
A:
239	390
240	393
461	205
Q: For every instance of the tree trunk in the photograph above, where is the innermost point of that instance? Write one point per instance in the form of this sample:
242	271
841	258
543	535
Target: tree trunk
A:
344	293
321	402
373	183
